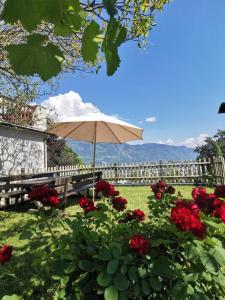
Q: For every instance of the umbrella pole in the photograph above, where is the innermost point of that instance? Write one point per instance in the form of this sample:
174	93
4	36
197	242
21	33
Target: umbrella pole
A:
94	156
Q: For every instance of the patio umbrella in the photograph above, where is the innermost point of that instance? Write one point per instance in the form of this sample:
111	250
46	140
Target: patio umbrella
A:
97	128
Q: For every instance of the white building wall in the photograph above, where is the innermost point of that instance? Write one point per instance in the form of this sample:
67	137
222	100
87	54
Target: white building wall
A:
21	148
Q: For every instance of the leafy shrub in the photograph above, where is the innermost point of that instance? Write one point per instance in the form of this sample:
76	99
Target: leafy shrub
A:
108	252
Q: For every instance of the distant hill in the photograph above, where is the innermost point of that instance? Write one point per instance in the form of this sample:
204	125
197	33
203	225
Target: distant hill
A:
118	153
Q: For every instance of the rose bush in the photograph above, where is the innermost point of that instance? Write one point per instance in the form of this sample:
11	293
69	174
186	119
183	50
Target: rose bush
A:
109	252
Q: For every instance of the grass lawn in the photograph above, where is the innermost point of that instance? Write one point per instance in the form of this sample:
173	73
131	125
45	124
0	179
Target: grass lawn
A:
29	275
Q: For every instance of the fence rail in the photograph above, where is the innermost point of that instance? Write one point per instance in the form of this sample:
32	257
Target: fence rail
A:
203	172
177	172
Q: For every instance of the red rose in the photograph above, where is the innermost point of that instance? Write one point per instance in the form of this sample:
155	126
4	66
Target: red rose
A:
5	253
185	215
44	194
220	212
119	203
162	184
220	191
139	244
53	200
154	188
158	195
136	215
193	207
84	202
107	189
204	200
39	193
115	194
87	205
160	188
170	189
90	208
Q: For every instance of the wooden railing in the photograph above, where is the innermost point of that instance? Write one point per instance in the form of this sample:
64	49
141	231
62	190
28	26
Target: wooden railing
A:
178	172
203	172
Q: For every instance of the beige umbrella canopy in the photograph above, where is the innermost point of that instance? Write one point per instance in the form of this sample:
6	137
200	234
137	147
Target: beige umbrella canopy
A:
97	128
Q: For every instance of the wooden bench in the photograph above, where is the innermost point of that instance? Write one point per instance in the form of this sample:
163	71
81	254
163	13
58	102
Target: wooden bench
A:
74	185
7	193
64	185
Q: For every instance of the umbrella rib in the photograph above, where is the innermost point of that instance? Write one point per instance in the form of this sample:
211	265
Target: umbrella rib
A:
74	130
112	132
130	131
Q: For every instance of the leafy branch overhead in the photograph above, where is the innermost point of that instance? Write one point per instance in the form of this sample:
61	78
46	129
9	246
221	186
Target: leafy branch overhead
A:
99	28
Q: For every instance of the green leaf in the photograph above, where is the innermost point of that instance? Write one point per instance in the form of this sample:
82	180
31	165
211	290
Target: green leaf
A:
114	37
191	251
162	267
116	252
214	224
31	12
84	265
145	287
137	290
209	262
155	283
12	297
105	254
199	296
142	272
219	254
112	266
123	295
89	47
64	280
132	274
179	290
61	294
110	7
121	282
28	12
35	58
159	242
104	279
123	269
25	235
191	277
70	268
111	293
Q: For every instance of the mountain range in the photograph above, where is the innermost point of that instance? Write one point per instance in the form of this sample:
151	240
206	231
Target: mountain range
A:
125	153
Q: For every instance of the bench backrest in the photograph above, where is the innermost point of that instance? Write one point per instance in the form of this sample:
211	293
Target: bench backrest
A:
79	181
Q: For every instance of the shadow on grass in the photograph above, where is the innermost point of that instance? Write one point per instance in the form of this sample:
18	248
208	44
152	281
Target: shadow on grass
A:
22	275
29	272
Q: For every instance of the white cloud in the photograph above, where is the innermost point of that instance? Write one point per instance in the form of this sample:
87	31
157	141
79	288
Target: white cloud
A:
69	105
167	142
193	142
190	142
150	120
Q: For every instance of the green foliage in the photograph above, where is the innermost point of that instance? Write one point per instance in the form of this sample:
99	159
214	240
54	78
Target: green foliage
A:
35	57
114	37
89	48
213	147
89	256
60	154
117	21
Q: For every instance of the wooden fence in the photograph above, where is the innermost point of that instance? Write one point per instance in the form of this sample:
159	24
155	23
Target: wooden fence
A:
176	172
203	172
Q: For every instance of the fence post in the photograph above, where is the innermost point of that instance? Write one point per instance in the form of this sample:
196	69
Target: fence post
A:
22	172
160	169
115	171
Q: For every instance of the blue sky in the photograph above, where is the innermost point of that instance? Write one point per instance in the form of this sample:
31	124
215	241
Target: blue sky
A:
179	79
